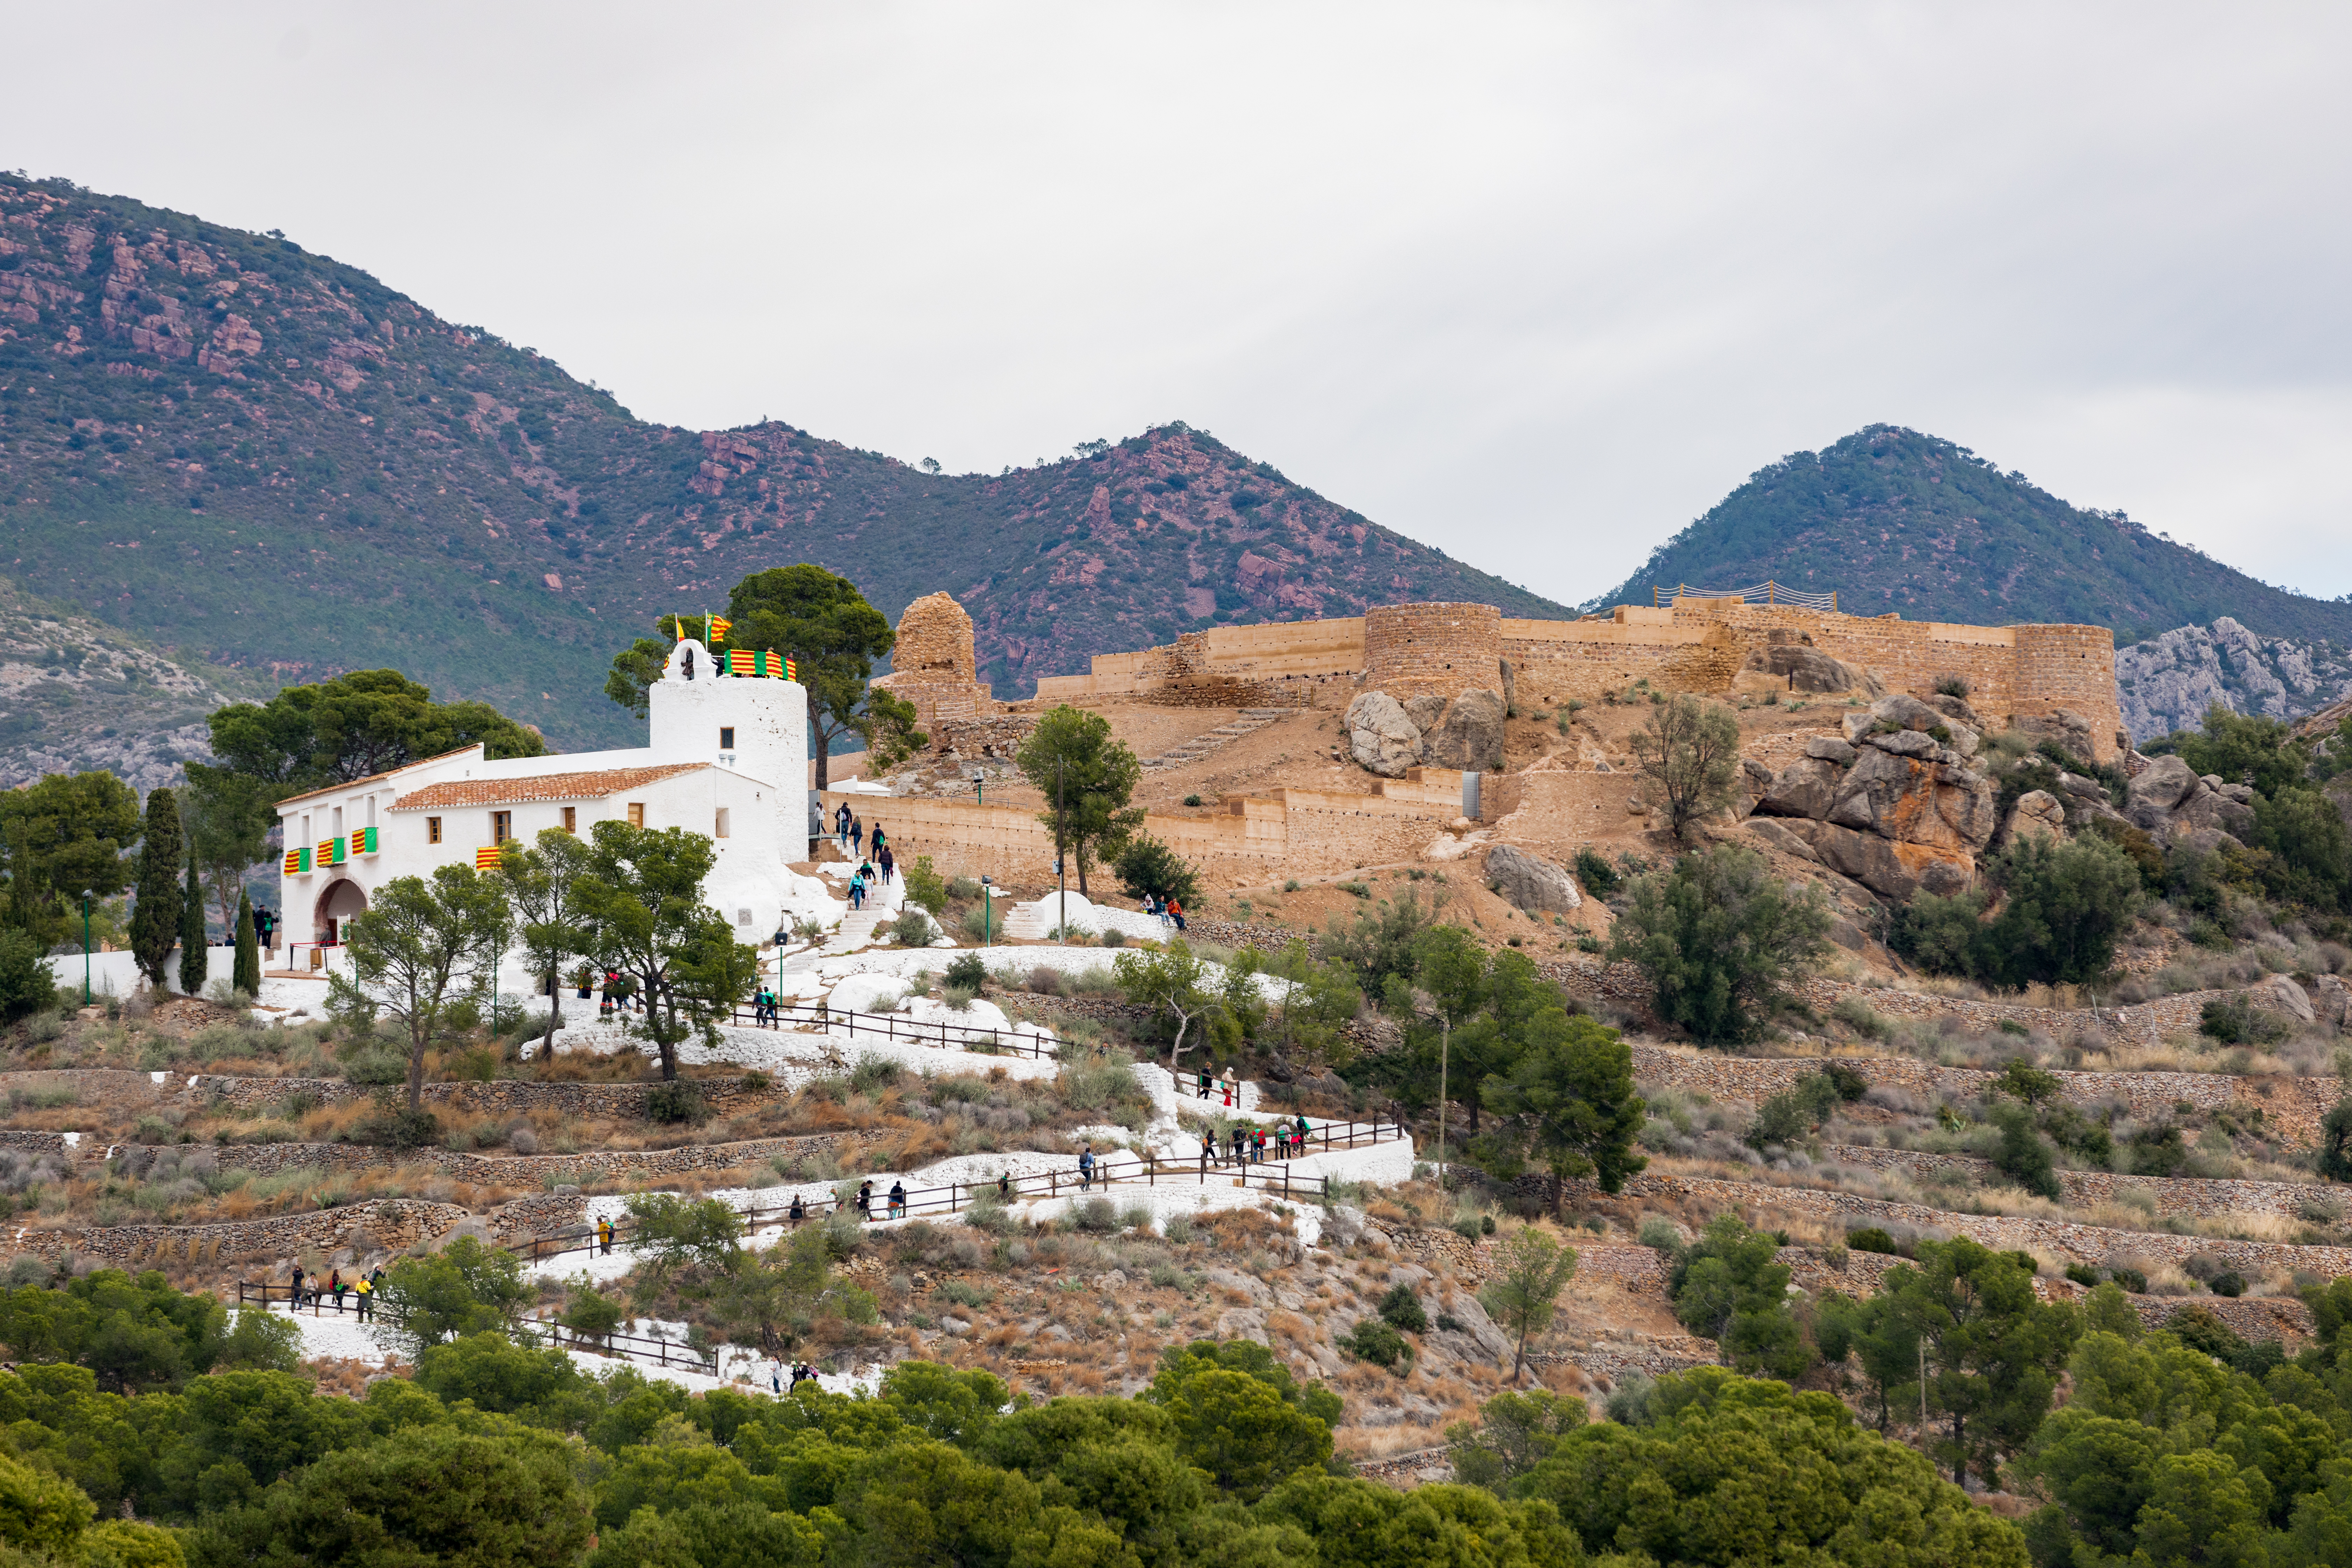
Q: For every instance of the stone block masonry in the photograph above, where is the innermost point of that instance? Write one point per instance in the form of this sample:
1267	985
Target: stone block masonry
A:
933	666
1694	644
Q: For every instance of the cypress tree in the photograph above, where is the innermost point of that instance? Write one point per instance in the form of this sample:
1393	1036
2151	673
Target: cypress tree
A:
196	957
247	974
155	921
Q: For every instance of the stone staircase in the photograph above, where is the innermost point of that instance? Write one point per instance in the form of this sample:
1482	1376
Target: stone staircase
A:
1251	722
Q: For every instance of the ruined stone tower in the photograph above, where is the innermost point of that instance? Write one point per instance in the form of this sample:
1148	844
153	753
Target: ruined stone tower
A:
933	666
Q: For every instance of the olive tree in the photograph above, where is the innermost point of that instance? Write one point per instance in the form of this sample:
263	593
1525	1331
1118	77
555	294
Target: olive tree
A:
1688	757
413	946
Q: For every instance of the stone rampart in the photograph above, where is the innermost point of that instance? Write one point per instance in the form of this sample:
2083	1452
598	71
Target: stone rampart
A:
1694	644
1245	839
1442	649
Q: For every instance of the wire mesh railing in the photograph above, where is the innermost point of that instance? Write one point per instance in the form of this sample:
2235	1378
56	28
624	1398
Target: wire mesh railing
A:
817	1018
1768	593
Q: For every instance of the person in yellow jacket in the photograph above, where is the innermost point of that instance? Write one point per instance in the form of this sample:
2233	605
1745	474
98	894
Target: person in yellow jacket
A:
366	1293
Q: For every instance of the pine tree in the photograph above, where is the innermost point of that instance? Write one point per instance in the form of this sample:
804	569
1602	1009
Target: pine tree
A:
246	976
196	957
155	921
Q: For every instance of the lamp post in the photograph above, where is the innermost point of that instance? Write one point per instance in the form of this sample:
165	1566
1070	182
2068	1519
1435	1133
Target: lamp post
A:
1061	827
987	911
85	949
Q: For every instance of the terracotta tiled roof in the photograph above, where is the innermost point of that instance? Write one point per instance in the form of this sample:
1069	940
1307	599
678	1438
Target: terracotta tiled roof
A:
546	787
372	778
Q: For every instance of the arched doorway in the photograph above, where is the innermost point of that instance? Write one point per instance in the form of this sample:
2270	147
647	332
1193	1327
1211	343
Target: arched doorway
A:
337	902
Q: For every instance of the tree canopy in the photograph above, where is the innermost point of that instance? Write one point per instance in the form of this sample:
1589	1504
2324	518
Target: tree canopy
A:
353	727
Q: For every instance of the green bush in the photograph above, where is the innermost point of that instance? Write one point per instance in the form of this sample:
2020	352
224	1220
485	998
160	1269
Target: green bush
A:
2023	1156
2236	1021
925	886
1872	1238
1146	867
1376	1340
2066	901
912	928
1719	939
1400	1309
390	1123
1860	1016
968	972
675	1103
1599	876
1726	1287
25	983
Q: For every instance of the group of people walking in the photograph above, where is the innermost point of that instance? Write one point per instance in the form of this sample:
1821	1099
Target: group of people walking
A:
799	1372
1251	1145
311	1292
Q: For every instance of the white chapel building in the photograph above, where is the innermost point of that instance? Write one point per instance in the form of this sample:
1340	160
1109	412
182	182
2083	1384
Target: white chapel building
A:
729	757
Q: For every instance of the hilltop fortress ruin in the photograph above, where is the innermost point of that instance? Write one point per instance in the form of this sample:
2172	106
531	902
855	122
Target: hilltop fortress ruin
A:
1452	668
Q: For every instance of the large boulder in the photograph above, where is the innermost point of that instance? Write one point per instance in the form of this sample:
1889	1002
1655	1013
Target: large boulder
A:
2169	801
2280	994
1534	885
2163	785
1426	710
2036	815
1895	871
1807	669
1470	736
2068	728
1755	782
1381	737
1958	707
1913	800
1807	787
2213	805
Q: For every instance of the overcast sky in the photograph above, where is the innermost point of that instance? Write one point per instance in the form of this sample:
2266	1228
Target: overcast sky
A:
1537	284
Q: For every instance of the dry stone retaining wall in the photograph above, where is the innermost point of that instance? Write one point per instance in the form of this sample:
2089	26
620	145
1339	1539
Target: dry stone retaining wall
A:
2082	1243
2292	1105
392	1224
2196	1197
516	1168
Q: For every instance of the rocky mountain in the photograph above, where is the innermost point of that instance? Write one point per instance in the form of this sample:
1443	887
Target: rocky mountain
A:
2167	682
78	695
1893	520
269	460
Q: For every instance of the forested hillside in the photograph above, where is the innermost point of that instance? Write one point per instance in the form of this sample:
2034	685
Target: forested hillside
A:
1893	520
267	460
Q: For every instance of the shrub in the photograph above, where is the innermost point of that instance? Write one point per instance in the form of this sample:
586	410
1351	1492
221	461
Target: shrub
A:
2335	1161
391	1124
2082	1274
2236	1021
1376	1340
1872	1238
1953	686
2131	1279
1860	1016
967	972
2021	1080
873	1072
1192	800
676	1103
1719	938
1804	1105
963	887
1400	1309
1599	876
2023	1156
1147	869
925	886
912	928
2066	901
25	982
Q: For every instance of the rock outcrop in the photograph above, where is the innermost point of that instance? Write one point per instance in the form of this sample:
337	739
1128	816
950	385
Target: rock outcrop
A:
1386	736
2167	682
2037	815
2169	801
1790	656
1895	806
1535	884
1382	738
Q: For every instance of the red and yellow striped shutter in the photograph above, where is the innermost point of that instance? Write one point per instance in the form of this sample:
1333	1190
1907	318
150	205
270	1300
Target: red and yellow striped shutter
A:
363	841
294	867
771	666
742	661
326	856
792	669
485	858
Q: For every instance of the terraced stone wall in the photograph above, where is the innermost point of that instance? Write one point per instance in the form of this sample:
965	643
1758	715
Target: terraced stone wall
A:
268	1159
2185	1196
391	1224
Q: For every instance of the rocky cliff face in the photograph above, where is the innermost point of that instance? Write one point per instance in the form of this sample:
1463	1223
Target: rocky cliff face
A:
2167	682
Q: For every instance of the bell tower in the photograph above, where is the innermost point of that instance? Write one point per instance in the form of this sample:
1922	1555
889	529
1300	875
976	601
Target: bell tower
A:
749	724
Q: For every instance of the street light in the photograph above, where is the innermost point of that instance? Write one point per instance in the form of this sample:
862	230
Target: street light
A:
85	949
987	911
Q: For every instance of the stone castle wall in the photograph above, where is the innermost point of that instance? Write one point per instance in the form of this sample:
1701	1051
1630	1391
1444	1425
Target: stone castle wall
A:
1245	838
1693	645
1442	649
933	666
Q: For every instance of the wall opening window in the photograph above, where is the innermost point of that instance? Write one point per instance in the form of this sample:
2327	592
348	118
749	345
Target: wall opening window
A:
727	737
432	830
339	819
371	811
720	830
306	828
636	814
571	819
501	827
